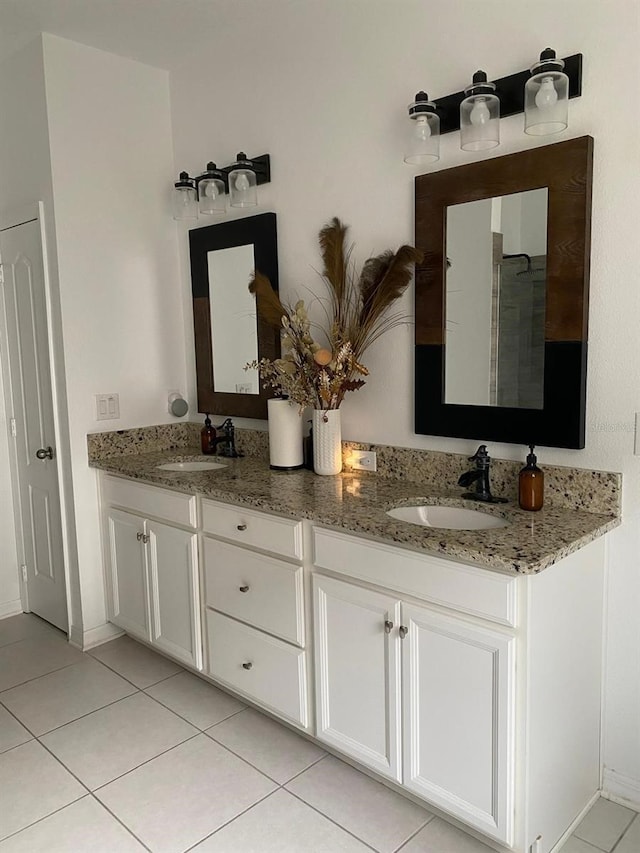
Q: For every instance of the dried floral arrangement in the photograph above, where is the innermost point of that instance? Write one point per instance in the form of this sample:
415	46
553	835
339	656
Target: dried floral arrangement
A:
357	312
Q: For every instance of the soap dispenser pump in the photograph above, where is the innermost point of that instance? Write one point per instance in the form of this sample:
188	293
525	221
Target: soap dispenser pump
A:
208	437
531	484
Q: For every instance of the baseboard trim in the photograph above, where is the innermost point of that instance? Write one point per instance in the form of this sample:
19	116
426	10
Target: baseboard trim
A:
557	847
621	789
10	608
85	640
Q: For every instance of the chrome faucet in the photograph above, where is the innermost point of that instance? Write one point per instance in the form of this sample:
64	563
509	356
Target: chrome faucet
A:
227	439
480	476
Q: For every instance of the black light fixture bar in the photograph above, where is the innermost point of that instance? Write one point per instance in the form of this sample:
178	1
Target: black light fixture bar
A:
510	90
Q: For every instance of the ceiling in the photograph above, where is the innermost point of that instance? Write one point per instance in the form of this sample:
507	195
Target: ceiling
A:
162	33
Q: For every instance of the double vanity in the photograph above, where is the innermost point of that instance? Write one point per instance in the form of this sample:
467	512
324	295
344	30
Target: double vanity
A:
459	665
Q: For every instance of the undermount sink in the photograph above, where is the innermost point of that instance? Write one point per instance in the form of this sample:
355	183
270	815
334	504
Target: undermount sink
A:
447	517
190	467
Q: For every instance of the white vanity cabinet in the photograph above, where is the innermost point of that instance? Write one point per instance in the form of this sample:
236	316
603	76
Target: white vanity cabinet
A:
477	691
152	571
255	625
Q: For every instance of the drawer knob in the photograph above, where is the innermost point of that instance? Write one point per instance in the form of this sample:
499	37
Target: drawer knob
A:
139	536
403	632
244	588
388	626
242	526
247	665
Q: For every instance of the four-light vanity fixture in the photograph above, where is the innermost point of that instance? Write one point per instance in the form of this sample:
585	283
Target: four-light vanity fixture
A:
207	193
542	93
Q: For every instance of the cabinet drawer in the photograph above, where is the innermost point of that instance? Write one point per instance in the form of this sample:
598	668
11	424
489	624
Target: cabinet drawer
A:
247	527
270	672
150	500
479	592
260	590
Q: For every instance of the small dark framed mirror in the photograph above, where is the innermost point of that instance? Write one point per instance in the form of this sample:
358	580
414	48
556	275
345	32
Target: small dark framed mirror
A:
229	332
502	297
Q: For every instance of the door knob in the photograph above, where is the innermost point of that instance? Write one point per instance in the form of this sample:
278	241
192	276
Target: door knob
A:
45	453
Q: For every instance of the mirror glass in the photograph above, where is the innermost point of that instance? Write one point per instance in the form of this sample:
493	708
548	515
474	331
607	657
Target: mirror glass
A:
496	250
234	330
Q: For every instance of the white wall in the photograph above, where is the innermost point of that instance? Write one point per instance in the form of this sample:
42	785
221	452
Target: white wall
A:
112	163
323	87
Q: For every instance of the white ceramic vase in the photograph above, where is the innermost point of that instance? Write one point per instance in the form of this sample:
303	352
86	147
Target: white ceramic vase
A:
327	441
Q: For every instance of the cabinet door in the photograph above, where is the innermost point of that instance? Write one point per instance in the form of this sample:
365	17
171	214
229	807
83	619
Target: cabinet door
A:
128	580
459	718
173	582
357	662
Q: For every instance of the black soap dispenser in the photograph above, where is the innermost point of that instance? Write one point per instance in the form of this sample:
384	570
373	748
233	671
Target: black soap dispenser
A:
531	484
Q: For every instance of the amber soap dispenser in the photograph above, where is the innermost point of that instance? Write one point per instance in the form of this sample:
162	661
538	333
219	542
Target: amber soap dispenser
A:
531	484
208	437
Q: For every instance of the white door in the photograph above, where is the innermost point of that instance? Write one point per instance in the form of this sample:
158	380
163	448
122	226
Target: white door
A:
357	655
40	543
128	591
459	718
173	592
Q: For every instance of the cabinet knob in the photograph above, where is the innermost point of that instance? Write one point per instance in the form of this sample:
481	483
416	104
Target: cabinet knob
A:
247	665
403	632
388	626
244	588
139	536
242	526
146	538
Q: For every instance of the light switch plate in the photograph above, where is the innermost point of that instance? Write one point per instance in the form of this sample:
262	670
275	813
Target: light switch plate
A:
363	460
107	407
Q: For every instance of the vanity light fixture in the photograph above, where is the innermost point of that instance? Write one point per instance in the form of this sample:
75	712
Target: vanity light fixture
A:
548	84
546	96
205	193
480	115
423	144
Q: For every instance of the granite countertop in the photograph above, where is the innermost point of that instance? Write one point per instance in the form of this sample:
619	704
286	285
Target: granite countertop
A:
357	503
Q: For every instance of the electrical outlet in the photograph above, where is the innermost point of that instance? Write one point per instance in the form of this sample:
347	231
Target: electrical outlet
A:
363	460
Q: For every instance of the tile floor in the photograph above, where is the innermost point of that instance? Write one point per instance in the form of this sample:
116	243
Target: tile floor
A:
121	750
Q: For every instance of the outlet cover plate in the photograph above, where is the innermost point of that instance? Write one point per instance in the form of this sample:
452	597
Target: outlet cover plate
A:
364	460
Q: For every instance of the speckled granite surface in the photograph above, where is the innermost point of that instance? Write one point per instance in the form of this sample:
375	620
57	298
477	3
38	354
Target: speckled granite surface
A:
358	502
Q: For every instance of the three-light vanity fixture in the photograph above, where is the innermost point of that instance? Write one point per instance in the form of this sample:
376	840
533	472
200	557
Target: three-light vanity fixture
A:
206	194
542	93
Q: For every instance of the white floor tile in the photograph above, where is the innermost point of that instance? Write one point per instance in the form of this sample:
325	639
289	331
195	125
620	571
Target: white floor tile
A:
366	808
32	785
114	740
576	845
24	626
27	659
604	824
272	748
181	797
281	824
11	732
631	841
438	836
79	828
59	697
200	703
135	662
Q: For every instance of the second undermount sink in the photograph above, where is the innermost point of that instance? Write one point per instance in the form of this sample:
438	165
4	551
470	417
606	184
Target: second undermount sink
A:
190	467
447	517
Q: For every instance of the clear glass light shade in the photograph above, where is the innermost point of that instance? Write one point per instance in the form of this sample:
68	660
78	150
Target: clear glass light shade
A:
480	122
212	199
185	202
423	139
546	103
243	188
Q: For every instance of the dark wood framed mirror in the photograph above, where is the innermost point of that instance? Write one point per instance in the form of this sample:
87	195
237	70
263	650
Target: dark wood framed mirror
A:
501	298
228	331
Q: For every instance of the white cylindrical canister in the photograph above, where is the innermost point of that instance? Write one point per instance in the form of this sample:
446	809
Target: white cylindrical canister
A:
285	435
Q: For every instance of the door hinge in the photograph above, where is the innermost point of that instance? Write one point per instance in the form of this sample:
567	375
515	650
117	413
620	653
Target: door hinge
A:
13	427
23	569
